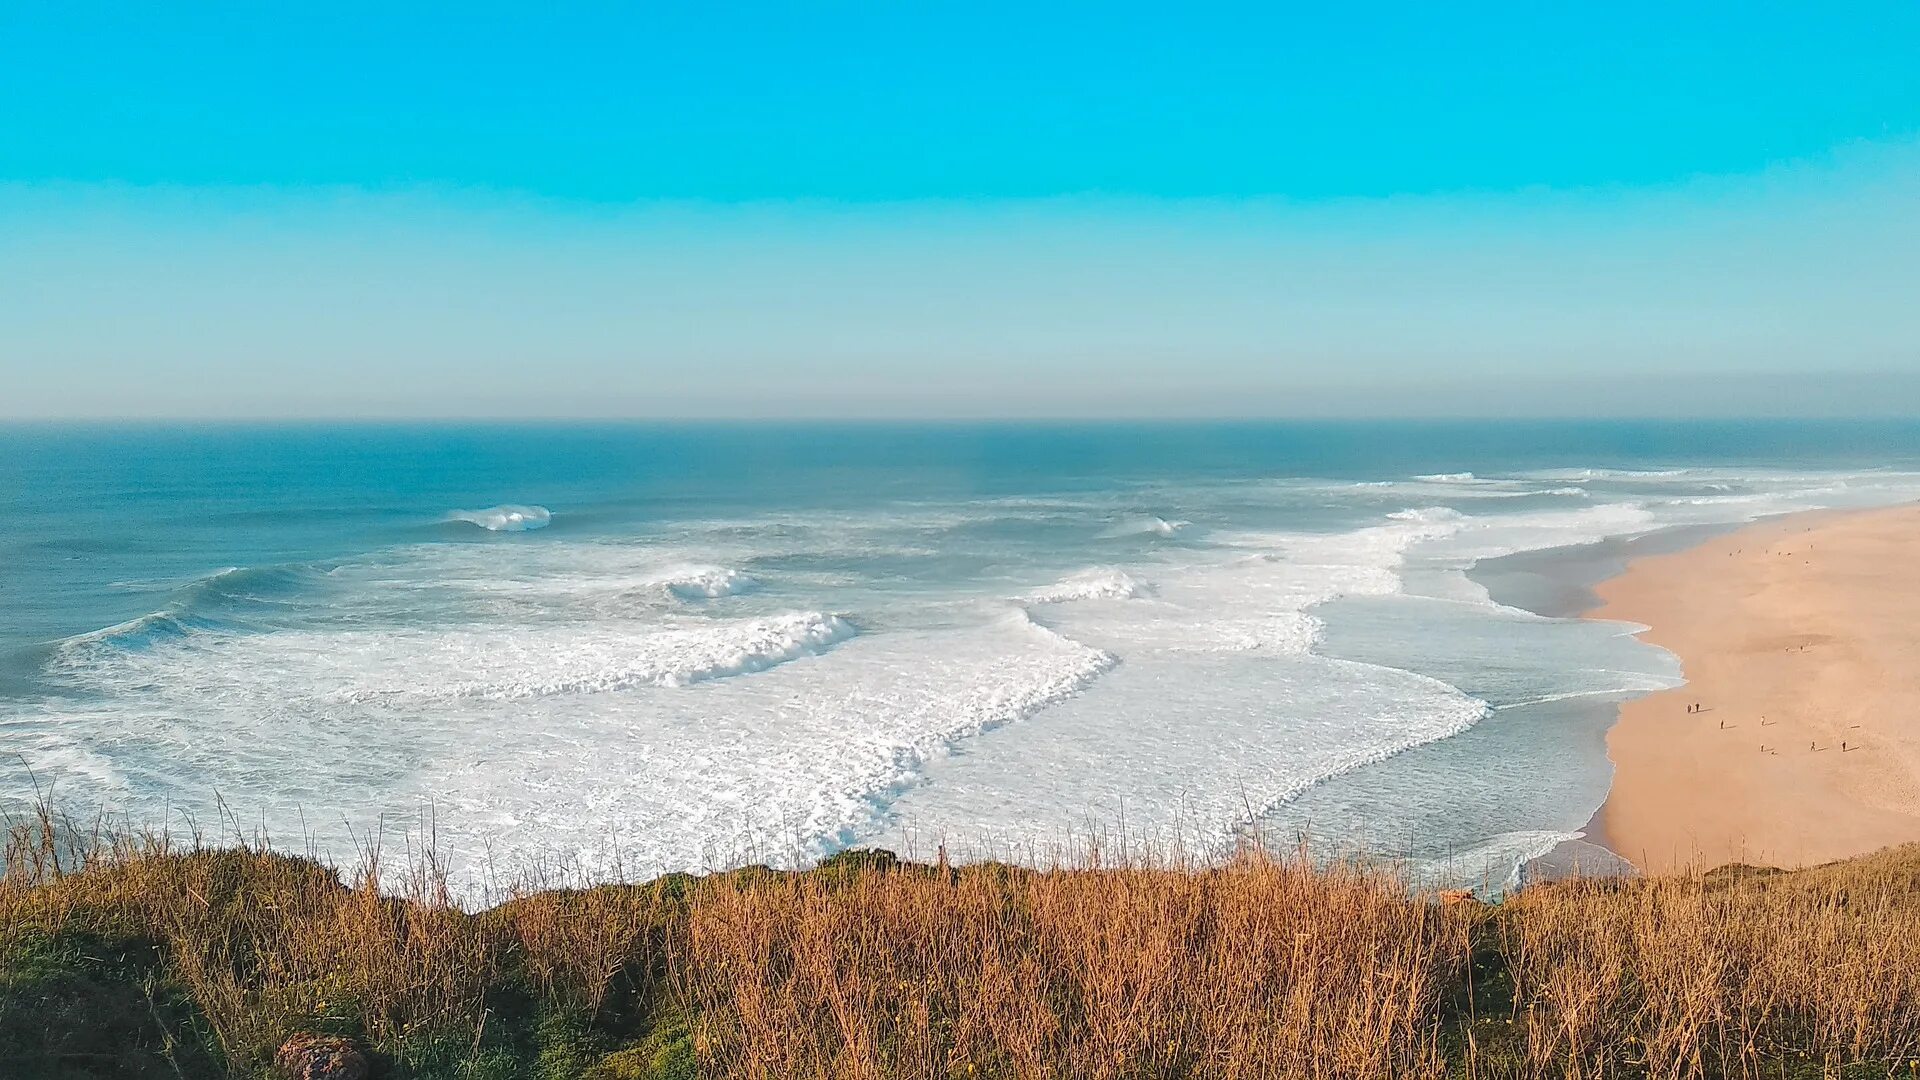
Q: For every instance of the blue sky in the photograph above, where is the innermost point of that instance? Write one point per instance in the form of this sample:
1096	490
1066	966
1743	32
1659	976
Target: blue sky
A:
924	209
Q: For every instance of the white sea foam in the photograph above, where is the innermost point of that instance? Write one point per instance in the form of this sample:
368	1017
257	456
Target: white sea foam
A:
851	734
47	742
1099	583
800	753
418	665
1469	488
507	517
552	581
1249	732
1474	538
1259	591
1147	525
1492	866
1427	516
690	680
1606	474
704	582
1521	492
1631	683
523	666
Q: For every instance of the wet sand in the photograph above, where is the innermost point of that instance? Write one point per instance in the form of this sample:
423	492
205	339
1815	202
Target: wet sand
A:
1797	635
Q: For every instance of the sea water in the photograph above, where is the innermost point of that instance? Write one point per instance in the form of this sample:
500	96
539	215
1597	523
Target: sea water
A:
627	649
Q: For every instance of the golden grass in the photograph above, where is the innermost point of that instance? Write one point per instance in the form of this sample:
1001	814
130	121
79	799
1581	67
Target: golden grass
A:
1263	968
1721	974
870	970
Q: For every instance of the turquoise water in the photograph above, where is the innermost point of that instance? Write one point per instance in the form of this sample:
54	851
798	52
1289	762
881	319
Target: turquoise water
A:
639	648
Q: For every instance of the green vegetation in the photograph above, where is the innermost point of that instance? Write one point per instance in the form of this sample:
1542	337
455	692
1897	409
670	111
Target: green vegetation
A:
136	960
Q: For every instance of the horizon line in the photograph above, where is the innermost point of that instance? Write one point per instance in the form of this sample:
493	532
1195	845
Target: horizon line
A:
968	419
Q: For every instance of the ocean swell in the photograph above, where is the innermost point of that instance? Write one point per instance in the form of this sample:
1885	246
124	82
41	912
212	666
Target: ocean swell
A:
218	601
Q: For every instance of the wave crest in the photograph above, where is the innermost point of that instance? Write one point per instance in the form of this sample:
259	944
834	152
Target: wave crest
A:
507	517
704	582
1149	525
1428	515
1099	583
540	667
135	633
220	600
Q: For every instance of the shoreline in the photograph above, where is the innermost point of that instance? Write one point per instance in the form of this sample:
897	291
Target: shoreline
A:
1560	583
1797	633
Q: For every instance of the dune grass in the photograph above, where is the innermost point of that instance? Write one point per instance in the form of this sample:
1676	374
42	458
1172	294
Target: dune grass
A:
136	958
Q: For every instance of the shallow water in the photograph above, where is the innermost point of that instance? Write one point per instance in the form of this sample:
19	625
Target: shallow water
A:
658	647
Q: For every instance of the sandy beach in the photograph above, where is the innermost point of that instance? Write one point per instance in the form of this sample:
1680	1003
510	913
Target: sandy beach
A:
1800	642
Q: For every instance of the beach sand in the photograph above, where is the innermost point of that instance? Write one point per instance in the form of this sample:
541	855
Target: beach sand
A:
1796	634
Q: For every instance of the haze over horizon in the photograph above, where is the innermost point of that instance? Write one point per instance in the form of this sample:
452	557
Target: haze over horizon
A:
946	212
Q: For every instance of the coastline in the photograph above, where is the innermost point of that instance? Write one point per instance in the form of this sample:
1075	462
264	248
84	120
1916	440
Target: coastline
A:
1560	583
1799	634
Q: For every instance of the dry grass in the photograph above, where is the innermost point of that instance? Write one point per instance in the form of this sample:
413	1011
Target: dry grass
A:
1263	968
256	938
198	962
1726	974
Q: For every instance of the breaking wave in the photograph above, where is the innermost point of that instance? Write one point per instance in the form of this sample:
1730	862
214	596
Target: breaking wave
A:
1448	712
1103	583
704	582
219	600
523	666
507	517
1085	664
1150	525
549	687
132	634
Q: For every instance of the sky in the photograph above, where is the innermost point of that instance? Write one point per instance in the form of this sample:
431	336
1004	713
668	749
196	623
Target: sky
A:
958	210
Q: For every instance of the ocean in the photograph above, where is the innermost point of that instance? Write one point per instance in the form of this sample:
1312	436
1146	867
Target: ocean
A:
616	650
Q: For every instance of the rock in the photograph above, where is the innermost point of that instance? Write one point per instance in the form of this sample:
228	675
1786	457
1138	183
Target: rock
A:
307	1056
